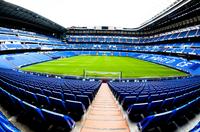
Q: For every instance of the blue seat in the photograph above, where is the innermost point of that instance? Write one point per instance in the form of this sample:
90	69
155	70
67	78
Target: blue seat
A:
58	95
168	103
127	101
33	111
163	95
58	119
22	93
170	94
75	109
180	112
153	97
58	105
17	103
142	99
43	101
194	103
155	120
179	100
196	128
31	97
84	99
13	90
90	95
4	94
155	106
6	126
76	92
68	96
1	129
122	96
135	111
47	92
37	90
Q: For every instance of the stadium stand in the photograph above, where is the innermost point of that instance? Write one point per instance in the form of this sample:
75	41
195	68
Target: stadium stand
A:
157	103
47	99
5	125
196	128
170	39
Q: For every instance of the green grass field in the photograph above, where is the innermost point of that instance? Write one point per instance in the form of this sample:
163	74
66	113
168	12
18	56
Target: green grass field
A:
130	67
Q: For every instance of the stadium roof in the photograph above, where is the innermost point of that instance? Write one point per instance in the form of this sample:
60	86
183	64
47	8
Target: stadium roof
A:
174	16
19	14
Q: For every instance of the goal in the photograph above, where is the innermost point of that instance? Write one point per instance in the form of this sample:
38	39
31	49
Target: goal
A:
101	74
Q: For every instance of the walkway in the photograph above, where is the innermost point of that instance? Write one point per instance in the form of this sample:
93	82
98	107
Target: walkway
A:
104	114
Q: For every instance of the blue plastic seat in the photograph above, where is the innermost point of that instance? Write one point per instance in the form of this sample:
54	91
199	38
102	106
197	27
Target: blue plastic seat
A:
7	126
43	101
155	106
31	97
17	103
168	103
155	120
90	95
142	99
136	110
153	97
47	92
68	96
37	90
84	99
163	95
4	94
1	129
75	109
22	93
58	105
122	96
180	111
179	100
58	95
196	128
170	94
76	92
58	119
33	111
127	101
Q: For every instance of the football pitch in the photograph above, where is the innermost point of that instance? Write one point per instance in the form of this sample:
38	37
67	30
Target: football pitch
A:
130	67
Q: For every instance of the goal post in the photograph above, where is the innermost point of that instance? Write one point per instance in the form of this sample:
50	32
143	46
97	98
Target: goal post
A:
102	74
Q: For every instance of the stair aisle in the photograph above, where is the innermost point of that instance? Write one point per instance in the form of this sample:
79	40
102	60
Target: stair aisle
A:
104	114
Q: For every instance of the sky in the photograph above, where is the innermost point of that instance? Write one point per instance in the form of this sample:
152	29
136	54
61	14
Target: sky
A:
91	13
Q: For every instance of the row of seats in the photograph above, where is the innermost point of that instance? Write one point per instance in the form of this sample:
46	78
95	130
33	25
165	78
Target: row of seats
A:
157	103
162	105
187	48
61	101
140	40
141	92
19	60
7	34
196	128
44	116
5	125
164	119
63	89
15	46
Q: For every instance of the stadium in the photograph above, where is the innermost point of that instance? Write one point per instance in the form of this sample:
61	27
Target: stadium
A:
100	79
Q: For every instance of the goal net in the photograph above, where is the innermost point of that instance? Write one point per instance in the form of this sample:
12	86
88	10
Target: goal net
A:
101	74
